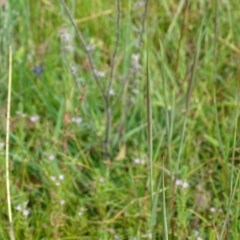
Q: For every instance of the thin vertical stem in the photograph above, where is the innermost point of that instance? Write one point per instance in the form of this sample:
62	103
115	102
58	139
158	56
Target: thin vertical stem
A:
85	48
110	81
190	88
7	145
104	92
150	147
165	222
144	17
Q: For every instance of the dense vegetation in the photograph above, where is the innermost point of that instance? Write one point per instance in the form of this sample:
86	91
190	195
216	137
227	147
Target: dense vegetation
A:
126	128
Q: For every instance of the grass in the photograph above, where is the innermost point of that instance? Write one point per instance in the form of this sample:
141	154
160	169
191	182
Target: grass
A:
163	162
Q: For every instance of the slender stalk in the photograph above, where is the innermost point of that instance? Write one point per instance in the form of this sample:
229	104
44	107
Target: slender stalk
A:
124	91
214	77
190	89
104	92
144	17
85	48
11	231
110	81
182	30
169	136
180	85
150	147
165	222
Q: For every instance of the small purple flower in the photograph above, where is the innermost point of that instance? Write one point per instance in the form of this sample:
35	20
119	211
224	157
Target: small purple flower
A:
38	70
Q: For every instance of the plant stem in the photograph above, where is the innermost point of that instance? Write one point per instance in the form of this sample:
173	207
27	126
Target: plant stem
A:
11	231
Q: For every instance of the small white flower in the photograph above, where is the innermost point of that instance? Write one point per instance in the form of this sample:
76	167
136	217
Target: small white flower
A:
58	183
212	209
136	160
178	182
99	74
90	47
77	120
81	211
34	118
62	202
185	185
111	92
182	183
73	69
80	214
51	157
25	212
61	177
23	209
101	180
18	207
65	36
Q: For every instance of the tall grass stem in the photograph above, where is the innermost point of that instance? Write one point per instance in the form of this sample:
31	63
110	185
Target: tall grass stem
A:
110	81
85	48
11	230
150	140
